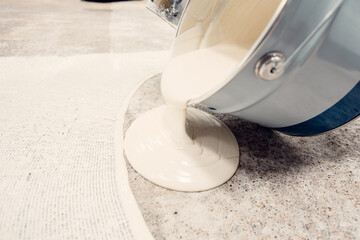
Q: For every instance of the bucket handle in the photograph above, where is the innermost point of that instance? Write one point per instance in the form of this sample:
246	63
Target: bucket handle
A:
272	64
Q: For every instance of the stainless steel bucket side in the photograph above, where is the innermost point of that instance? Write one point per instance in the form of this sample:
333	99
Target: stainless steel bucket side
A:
319	90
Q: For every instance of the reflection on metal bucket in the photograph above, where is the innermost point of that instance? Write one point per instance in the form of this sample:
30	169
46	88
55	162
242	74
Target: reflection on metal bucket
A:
169	10
301	75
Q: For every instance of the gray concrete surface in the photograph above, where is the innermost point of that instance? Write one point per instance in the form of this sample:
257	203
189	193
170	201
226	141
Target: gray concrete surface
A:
285	187
71	27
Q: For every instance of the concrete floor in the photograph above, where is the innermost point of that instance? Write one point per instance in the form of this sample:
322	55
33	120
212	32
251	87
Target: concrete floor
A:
285	187
72	27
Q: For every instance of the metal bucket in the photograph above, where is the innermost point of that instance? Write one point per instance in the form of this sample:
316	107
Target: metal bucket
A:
302	74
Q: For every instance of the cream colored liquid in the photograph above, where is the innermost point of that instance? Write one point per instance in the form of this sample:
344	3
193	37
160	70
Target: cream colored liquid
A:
190	76
184	148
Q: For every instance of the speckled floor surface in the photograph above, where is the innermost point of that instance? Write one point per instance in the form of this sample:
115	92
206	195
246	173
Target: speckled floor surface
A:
73	27
285	187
